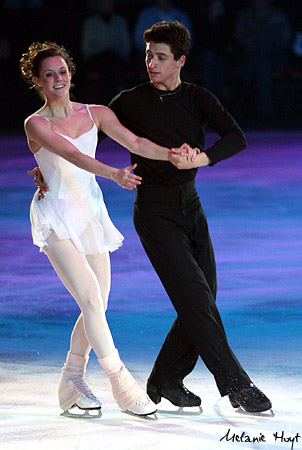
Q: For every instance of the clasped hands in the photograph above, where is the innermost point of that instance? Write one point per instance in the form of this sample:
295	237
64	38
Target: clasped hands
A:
186	157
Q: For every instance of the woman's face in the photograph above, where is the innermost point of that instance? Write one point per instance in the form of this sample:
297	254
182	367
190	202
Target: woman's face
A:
54	77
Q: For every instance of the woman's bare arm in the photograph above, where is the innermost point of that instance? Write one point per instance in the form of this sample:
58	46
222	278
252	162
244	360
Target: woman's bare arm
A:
39	132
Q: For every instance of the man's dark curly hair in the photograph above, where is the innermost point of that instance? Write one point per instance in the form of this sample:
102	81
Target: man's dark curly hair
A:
174	34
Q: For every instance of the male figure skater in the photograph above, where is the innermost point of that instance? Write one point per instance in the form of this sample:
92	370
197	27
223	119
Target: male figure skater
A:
170	221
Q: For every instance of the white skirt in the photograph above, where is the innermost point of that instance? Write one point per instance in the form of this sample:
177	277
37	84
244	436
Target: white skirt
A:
79	215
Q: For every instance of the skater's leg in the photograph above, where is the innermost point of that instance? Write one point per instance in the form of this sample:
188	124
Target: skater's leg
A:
169	383
171	243
79	343
179	367
79	278
177	242
72	387
100	264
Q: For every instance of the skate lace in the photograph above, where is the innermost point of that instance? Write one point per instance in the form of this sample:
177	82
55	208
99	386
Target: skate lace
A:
143	402
186	390
140	398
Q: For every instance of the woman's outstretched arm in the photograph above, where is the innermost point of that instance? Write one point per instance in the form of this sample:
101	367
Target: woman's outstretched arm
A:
39	133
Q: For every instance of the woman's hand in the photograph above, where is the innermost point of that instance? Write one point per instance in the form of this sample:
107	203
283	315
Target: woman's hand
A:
126	179
38	179
186	150
194	160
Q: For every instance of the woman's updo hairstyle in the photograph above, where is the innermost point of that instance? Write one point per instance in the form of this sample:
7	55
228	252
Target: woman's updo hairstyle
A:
30	63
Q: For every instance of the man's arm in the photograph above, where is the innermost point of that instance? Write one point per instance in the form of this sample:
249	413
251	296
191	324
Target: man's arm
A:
232	139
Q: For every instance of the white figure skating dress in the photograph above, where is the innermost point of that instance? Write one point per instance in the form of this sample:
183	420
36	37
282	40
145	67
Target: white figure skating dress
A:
73	207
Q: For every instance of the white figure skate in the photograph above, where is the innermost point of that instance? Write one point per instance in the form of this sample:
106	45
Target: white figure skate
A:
131	398
79	401
74	393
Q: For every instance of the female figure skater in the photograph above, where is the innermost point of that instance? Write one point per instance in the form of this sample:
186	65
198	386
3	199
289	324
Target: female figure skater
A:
71	223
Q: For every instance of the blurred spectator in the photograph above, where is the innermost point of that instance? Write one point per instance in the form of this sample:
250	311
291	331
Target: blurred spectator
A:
211	45
105	30
105	47
161	10
264	36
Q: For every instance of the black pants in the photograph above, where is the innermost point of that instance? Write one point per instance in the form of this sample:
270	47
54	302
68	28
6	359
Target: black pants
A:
173	229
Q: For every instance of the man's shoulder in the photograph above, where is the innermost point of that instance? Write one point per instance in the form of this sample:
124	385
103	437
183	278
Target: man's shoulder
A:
199	98
194	89
129	99
135	89
132	92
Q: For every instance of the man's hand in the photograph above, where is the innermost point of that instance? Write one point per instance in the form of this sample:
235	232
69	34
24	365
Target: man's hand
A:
181	162
126	179
190	152
38	179
185	150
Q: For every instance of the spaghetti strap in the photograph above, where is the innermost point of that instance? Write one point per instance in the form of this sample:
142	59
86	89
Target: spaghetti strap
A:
43	117
90	115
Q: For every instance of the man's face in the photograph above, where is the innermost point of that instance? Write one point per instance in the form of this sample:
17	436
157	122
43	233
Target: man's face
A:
161	65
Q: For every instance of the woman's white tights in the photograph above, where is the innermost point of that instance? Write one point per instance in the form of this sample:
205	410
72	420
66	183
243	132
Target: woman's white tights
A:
87	278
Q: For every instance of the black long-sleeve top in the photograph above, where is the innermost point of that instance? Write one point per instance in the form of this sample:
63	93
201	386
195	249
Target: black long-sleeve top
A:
170	118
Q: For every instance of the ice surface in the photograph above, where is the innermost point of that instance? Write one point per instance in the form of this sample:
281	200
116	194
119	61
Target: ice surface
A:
253	205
